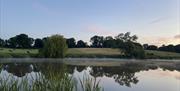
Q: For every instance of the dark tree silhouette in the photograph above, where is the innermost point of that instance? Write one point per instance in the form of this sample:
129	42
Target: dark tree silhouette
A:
152	47
145	46
169	48
177	48
109	42
38	43
20	41
2	43
125	37
71	42
81	44
97	41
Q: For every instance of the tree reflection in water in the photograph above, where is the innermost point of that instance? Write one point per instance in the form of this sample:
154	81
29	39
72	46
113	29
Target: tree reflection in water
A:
124	74
18	70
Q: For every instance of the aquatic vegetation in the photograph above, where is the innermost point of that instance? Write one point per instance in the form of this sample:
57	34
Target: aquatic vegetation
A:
53	80
90	84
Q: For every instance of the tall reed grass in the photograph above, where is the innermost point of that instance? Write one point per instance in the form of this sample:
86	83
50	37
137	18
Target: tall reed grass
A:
49	81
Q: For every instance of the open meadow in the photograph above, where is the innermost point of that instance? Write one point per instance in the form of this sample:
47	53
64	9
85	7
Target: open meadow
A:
86	53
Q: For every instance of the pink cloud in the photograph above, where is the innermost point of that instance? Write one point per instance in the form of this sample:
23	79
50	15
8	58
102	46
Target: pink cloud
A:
159	40
177	36
100	30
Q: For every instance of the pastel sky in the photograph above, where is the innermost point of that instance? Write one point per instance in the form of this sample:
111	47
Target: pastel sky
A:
154	21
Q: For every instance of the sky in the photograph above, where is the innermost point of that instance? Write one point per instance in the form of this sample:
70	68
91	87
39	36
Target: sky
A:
153	21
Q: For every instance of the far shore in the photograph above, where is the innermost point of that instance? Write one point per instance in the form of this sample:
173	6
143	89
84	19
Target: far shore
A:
87	53
88	61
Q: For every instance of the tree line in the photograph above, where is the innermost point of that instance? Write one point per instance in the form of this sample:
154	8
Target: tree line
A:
24	41
168	48
126	42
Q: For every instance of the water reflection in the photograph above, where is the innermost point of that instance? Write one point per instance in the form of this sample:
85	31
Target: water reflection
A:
124	74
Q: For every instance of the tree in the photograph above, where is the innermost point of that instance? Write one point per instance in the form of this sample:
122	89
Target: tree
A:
134	50
129	46
38	43
152	47
81	44
55	47
12	42
24	41
125	37
145	46
97	41
71	42
109	42
169	48
2	43
177	48
20	41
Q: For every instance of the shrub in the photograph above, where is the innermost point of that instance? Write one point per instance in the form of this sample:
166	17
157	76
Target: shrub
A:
134	50
54	47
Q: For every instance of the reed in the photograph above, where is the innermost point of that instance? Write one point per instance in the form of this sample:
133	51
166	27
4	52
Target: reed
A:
51	81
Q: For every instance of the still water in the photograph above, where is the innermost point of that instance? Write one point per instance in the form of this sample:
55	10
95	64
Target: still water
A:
112	76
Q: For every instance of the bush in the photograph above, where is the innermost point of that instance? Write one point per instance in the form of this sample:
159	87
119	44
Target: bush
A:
54	47
134	50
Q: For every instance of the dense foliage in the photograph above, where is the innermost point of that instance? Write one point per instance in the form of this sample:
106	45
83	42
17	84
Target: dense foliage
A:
54	47
168	48
38	43
18	41
81	44
71	42
124	41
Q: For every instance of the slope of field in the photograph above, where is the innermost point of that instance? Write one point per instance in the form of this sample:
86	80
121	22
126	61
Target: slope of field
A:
87	53
8	52
161	54
94	52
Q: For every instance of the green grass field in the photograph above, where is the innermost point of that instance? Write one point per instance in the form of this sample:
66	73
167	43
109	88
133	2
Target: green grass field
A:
161	54
86	53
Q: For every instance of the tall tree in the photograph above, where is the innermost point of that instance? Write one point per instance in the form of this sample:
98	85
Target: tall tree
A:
38	43
2	43
54	47
81	44
177	48
71	42
129	45
145	46
125	37
20	41
12	42
97	41
109	42
24	41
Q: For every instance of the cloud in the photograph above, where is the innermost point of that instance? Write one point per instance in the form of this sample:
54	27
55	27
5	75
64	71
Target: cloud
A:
177	36
158	20
159	40
160	73
99	30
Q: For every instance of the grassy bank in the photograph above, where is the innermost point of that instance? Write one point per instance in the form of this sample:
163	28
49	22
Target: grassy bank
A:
86	53
161	55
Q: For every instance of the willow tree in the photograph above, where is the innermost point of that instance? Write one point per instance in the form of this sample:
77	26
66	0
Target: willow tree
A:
54	47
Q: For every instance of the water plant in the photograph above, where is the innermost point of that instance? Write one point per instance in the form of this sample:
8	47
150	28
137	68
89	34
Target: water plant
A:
53	80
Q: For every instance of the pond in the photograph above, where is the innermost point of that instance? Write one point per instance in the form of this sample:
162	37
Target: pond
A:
89	75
